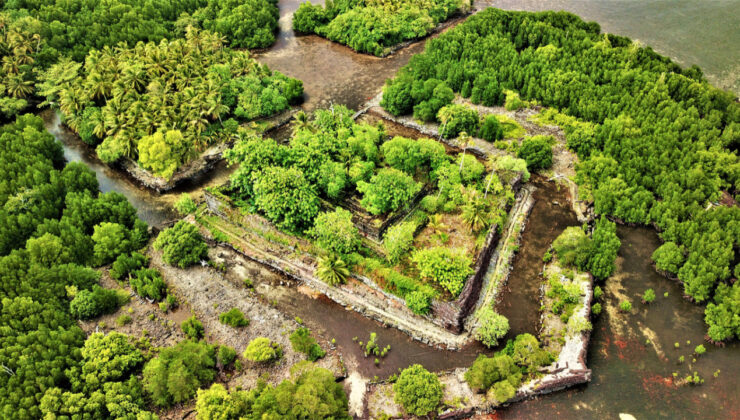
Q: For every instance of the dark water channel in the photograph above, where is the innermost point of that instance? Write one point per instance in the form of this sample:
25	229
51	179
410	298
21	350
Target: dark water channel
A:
519	299
629	376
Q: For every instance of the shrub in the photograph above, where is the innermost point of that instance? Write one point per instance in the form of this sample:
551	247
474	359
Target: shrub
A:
455	119
527	353
419	301
625	306
398	240
182	245
148	283
471	170
302	341
699	350
89	304
510	163
387	191
111	240
177	372
491	129
486	371
126	264
226	355
192	328
648	296
185	205
261	349
537	152
492	327
445	267
335	232
596	308
418	391
286	197
668	257
598	292
123	320
234	318
513	102
572	247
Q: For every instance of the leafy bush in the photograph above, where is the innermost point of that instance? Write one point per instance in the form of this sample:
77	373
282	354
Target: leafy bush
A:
491	129
455	119
492	327
572	247
148	283
127	264
487	371
192	327
182	245
445	267
648	296
234	318
387	191
625	306
226	355
668	257
419	301
596	308
537	152
111	240
261	349
89	304
418	391
723	315
177	372
510	163
398	240
335	232
302	341
286	197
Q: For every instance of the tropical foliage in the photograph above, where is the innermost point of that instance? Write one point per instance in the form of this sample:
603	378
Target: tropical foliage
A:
311	393
658	152
48	214
164	103
377	25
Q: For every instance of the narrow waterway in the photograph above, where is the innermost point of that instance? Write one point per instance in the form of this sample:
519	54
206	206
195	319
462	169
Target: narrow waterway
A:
519	299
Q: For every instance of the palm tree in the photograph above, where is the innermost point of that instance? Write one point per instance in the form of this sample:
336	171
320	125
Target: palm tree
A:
301	122
445	115
497	186
436	224
332	270
474	212
464	140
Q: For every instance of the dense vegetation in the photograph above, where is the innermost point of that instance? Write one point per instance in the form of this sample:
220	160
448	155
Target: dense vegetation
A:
375	26
502	374
657	143
49	215
73	28
332	163
418	391
164	103
310	393
37	34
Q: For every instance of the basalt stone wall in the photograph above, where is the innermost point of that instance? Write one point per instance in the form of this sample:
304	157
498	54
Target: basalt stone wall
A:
375	227
451	315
